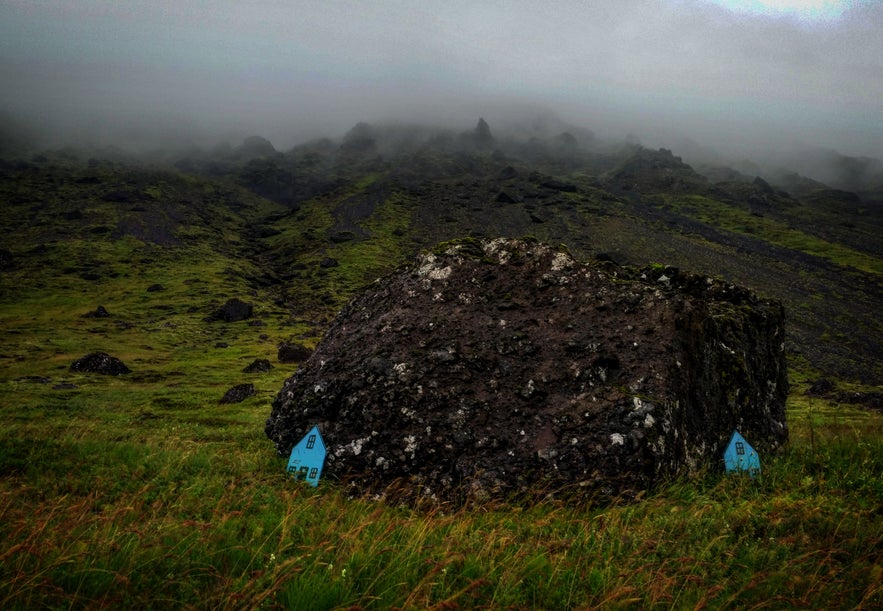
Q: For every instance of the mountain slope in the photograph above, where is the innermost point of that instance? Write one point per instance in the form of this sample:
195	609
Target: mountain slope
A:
344	213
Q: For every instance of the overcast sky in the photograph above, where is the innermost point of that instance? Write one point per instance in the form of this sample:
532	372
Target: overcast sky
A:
725	73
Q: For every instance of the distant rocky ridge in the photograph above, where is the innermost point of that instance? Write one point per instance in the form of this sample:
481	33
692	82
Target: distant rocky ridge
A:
503	367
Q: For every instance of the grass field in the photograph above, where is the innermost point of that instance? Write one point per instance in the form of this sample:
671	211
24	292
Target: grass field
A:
145	492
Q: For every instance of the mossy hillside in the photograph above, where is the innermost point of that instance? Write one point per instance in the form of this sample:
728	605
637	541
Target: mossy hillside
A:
739	220
57	282
385	240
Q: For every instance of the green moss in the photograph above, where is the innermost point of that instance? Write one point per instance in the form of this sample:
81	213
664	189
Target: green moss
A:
739	220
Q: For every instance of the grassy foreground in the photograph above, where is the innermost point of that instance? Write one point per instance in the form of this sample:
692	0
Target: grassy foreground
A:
104	503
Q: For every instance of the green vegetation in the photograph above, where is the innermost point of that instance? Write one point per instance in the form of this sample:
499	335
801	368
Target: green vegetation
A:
721	215
128	493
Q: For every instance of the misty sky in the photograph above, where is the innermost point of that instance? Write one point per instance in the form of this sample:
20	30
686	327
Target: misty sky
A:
727	73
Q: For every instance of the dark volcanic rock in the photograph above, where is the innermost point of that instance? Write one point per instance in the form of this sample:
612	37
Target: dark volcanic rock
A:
238	393
99	312
258	366
820	387
501	367
233	311
293	353
100	362
7	261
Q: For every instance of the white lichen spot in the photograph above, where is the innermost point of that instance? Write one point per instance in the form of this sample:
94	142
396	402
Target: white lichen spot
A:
439	273
356	445
502	323
649	421
438	297
428	265
465	298
400	368
410	445
617	439
561	261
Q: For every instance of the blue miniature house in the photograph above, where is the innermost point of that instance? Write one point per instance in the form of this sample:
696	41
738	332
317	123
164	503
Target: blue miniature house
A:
308	457
740	456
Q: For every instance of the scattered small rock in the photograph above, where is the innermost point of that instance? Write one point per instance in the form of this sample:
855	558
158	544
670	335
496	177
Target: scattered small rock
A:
100	312
233	311
100	362
258	366
153	288
293	353
7	261
64	386
222	345
238	393
820	387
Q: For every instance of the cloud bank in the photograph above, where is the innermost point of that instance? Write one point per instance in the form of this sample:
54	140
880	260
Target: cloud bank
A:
729	77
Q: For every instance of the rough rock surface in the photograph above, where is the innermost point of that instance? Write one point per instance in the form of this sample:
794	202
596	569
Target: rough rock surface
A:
505	367
292	353
258	366
100	362
238	393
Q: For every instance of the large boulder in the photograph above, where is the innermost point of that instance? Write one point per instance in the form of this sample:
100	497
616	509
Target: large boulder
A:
503	367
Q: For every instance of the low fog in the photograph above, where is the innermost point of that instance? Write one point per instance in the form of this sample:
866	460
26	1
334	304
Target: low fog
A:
691	75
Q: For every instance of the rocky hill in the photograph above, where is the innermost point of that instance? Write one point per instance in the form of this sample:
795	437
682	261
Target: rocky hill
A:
310	226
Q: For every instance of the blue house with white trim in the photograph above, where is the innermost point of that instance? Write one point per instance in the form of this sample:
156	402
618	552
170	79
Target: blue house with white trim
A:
308	457
740	456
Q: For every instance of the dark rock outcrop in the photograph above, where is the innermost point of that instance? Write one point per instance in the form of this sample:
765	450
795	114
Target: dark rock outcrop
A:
483	137
100	362
233	311
238	393
99	312
293	353
503	367
7	261
258	366
254	146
